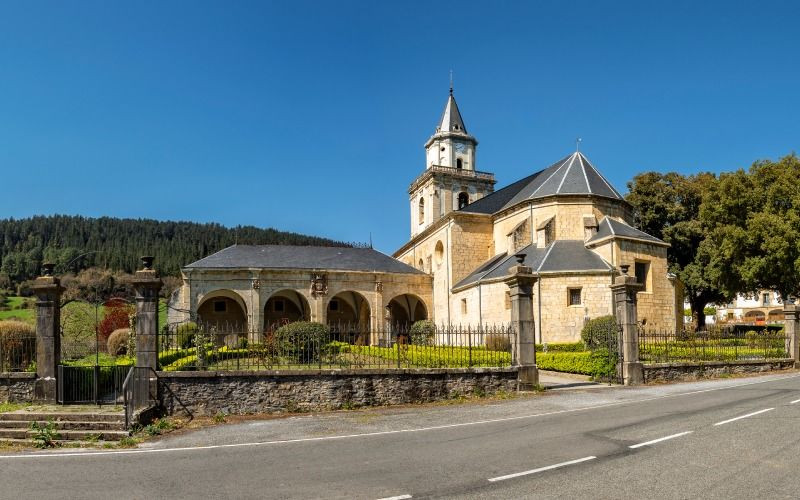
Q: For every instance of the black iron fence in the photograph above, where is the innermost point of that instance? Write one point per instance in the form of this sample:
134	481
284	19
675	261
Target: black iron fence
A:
189	346
17	352
712	345
91	384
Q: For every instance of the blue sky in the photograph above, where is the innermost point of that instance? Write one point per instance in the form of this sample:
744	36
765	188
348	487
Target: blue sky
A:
311	116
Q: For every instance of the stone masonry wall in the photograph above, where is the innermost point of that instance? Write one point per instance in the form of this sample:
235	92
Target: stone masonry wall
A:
656	305
667	372
207	393
16	387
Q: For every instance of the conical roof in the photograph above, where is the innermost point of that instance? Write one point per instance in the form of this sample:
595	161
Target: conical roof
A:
451	118
572	175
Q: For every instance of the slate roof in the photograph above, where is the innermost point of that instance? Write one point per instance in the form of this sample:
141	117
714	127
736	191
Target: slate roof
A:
613	228
571	175
559	256
302	257
451	120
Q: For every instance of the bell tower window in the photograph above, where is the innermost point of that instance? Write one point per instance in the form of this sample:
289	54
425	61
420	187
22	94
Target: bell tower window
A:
463	199
421	210
459	164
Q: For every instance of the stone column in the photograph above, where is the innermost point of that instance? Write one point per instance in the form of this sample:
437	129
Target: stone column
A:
791	326
147	284
520	282
624	291
48	334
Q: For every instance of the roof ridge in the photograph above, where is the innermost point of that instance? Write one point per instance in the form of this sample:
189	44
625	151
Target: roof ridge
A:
551	176
602	178
564	177
546	255
585	177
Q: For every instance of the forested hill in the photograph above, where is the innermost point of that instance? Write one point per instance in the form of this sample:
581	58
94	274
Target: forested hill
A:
117	244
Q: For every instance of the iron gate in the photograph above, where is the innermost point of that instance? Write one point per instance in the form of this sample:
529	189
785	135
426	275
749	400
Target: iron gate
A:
89	371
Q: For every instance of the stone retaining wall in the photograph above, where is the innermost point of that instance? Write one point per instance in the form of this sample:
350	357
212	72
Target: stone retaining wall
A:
16	387
665	372
208	393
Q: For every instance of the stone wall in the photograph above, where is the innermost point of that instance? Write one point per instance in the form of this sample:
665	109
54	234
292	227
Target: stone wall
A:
16	387
656	305
207	393
667	372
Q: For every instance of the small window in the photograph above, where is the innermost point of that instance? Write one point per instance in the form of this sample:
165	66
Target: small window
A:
220	306
574	296
421	210
642	269
279	305
459	164
463	200
463	306
765	299
334	305
508	300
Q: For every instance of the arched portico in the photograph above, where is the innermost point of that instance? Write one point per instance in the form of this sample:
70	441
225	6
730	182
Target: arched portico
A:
349	317
285	306
755	316
405	309
223	309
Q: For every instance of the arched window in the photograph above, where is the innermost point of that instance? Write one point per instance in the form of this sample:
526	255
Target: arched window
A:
459	164
421	210
463	200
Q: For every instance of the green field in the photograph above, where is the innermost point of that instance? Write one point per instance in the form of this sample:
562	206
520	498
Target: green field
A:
14	303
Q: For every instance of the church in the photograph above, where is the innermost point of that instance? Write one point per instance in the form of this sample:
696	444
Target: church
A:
565	221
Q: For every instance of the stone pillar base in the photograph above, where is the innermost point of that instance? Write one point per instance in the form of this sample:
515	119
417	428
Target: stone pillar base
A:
633	373
527	378
45	390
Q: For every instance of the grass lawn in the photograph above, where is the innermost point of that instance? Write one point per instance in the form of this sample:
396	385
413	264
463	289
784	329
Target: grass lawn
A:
16	311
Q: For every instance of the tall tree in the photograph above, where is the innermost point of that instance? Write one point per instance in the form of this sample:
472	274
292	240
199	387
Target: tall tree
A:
754	228
668	206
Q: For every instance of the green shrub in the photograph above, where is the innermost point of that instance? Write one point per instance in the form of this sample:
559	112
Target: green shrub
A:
302	340
598	332
118	342
751	336
498	342
422	332
185	334
561	347
598	364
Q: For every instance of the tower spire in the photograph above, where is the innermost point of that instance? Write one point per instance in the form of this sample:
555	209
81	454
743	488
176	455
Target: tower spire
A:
451	82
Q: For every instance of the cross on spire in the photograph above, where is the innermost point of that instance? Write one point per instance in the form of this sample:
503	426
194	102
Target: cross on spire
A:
451	82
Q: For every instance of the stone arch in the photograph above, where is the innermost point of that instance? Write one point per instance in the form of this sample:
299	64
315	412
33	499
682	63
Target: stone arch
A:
285	306
756	316
404	309
224	309
775	315
349	317
463	200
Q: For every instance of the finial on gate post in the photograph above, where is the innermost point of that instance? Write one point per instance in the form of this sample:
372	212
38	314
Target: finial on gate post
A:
624	268
47	269
147	262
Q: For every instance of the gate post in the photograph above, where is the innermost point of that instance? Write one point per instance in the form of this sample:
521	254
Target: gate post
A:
791	325
147	284
624	291
520	282
48	336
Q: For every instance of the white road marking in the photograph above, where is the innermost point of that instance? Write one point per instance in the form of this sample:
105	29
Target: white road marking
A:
744	416
795	401
541	469
398	497
381	433
654	441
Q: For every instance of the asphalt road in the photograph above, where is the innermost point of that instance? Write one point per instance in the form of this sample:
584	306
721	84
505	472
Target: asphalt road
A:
734	438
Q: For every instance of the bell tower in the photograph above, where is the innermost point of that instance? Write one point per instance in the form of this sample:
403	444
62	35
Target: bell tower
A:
450	180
